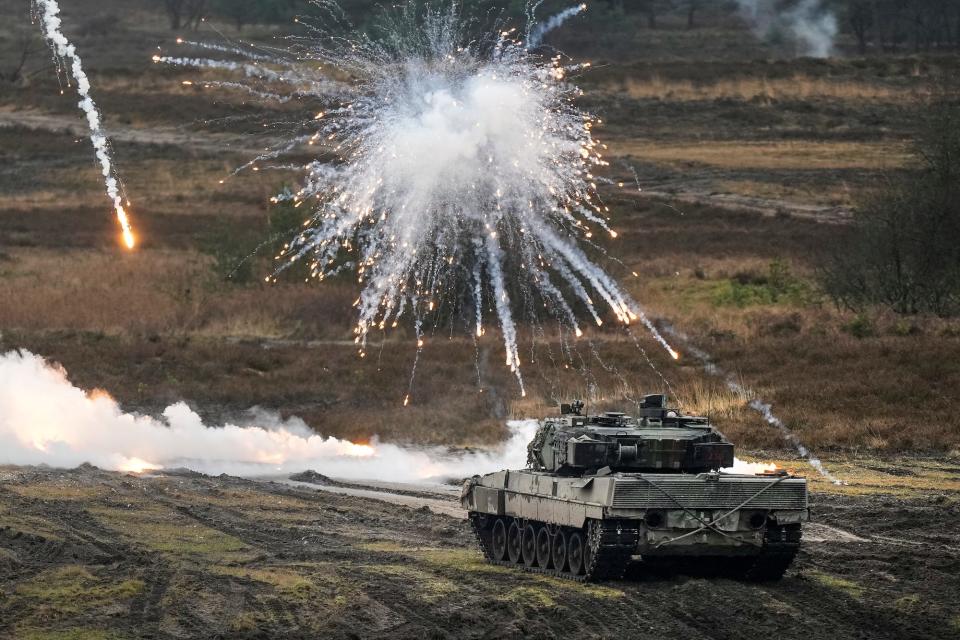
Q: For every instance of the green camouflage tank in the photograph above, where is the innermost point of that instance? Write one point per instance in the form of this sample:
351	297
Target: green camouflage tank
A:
600	490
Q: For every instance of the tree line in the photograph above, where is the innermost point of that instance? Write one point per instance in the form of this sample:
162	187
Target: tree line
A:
873	25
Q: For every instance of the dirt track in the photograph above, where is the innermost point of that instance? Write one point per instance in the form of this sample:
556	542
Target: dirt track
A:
184	555
692	189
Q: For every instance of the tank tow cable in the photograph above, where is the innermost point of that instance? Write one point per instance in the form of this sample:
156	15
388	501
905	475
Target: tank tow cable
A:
712	525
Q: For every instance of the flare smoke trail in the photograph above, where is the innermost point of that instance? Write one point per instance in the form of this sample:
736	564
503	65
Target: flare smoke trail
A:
809	24
462	161
46	420
48	12
758	405
535	38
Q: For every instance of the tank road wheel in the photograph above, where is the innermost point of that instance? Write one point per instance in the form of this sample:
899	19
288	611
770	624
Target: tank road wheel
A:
514	539
543	548
529	546
499	540
575	553
558	552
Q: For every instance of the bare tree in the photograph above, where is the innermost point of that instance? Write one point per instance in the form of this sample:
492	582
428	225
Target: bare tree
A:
903	249
860	19
652	9
692	6
184	12
27	44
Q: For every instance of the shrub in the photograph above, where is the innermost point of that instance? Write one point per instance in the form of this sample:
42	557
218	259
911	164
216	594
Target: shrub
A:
777	286
861	326
233	251
904	249
284	222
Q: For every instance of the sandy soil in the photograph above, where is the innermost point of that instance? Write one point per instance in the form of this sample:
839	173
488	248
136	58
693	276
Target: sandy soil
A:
180	555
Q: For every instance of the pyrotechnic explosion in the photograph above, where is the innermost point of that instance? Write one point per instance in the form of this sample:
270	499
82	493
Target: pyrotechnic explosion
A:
67	59
464	177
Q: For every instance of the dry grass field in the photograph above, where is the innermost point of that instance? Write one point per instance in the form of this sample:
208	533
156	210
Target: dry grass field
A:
162	324
740	168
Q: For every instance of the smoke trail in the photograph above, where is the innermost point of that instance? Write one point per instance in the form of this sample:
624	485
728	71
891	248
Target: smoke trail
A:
538	31
763	408
808	24
461	163
46	420
49	13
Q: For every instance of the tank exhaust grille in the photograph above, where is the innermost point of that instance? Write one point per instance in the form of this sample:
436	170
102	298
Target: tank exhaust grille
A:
724	493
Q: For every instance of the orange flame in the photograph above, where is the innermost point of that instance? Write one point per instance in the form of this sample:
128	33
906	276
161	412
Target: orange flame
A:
126	227
136	465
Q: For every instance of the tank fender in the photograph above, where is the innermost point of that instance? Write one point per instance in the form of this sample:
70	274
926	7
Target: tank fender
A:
549	510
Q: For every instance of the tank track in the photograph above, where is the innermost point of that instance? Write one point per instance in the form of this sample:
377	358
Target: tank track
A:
610	546
780	547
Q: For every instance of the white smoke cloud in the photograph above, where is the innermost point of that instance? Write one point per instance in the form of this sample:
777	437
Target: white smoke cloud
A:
808	24
44	419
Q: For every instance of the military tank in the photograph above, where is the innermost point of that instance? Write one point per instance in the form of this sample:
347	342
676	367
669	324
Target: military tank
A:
601	489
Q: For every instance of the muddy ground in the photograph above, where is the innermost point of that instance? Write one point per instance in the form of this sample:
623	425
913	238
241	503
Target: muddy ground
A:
92	554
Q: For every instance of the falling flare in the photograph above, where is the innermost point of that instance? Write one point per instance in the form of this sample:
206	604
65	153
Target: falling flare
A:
49	13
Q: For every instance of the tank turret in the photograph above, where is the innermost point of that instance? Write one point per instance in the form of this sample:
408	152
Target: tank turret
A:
658	440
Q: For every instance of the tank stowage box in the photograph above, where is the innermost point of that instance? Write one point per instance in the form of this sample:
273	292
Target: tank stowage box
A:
599	490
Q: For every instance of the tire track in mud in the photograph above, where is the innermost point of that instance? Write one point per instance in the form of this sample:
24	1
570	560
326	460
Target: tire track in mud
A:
145	611
403	572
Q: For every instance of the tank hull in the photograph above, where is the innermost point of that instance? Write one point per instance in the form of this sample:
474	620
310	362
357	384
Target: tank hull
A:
752	521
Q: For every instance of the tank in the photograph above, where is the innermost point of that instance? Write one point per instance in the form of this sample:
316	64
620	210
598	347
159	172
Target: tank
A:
600	490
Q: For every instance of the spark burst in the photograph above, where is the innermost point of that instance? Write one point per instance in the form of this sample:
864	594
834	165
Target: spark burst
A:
463	180
49	13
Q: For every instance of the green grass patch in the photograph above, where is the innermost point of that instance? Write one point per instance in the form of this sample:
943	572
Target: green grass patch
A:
907	603
58	492
457	560
470	561
68	634
536	597
849	587
169	532
777	286
282	579
73	589
430	586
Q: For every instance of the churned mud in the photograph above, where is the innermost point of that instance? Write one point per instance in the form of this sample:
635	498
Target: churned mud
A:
86	553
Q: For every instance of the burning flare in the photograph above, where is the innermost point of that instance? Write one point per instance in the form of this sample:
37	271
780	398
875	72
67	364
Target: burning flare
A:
48	12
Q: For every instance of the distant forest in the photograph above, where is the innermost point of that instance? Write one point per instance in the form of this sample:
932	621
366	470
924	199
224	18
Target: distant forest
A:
869	26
